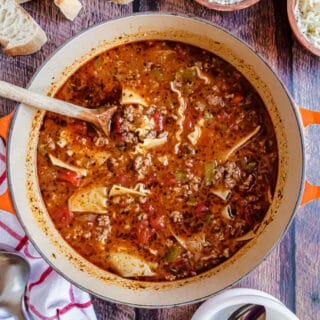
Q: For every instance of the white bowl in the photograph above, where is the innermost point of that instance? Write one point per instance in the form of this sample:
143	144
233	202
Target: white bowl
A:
223	305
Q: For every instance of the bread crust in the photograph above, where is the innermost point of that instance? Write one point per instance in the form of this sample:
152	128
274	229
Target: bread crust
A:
70	8
18	42
34	45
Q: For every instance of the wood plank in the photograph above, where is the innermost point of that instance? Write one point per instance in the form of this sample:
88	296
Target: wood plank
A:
112	311
306	79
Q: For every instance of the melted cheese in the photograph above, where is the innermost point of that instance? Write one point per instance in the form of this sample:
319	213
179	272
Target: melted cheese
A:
181	117
57	162
129	266
129	96
89	199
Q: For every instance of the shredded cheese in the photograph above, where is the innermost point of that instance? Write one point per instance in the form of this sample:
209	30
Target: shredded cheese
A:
201	75
307	14
138	190
180	112
196	134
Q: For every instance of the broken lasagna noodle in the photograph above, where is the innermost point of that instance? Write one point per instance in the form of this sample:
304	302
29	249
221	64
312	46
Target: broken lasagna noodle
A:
185	176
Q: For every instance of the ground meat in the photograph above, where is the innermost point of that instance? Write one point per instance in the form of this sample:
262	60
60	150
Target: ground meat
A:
228	174
214	100
131	138
104	228
100	141
247	184
142	165
176	216
128	113
200	106
78	233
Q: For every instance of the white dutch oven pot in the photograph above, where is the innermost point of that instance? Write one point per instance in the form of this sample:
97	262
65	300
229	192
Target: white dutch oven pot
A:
22	173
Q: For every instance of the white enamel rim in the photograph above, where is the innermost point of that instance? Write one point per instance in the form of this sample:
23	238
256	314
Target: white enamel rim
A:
153	295
221	306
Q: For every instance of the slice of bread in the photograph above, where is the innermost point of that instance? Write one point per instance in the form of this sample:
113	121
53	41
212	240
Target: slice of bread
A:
19	33
70	8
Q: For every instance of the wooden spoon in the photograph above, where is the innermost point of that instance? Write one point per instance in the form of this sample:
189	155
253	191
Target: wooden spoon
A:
99	117
291	7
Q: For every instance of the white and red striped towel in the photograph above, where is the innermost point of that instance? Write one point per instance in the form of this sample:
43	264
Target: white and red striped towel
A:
48	295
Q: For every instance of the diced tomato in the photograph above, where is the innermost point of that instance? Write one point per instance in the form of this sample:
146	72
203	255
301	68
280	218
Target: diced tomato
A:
171	181
188	121
116	124
116	129
237	98
149	179
123	204
158	120
248	211
201	209
62	216
80	127
223	116
147	208
120	137
124	180
158	222
144	232
178	262
70	176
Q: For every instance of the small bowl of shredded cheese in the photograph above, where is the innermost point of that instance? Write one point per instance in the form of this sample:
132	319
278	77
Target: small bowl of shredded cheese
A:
304	19
227	5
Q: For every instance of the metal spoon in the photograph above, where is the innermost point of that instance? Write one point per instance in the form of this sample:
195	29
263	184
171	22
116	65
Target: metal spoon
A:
14	275
99	117
249	312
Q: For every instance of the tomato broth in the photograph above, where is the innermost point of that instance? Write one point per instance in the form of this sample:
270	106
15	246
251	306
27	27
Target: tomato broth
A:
183	179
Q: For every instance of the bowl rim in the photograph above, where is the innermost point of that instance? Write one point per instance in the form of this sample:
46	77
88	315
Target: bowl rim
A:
231	299
299	36
228	7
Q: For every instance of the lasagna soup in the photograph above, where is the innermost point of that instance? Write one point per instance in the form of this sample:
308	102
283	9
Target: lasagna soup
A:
185	175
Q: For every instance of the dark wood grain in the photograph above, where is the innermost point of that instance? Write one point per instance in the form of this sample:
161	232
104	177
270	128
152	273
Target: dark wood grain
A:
291	272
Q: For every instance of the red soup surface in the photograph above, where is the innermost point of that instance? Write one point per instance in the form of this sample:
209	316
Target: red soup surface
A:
186	174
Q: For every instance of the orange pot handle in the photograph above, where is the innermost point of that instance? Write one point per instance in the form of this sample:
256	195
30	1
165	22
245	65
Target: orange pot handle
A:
5	199
310	191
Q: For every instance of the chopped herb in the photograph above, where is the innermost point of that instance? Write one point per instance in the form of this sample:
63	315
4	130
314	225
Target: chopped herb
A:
97	63
172	254
209	172
157	72
42	149
208	115
192	202
185	74
181	176
187	89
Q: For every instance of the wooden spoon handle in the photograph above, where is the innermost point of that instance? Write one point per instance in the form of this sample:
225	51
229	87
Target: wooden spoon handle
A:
43	102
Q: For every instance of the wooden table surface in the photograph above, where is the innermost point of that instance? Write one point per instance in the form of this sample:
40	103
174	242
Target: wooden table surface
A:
292	271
